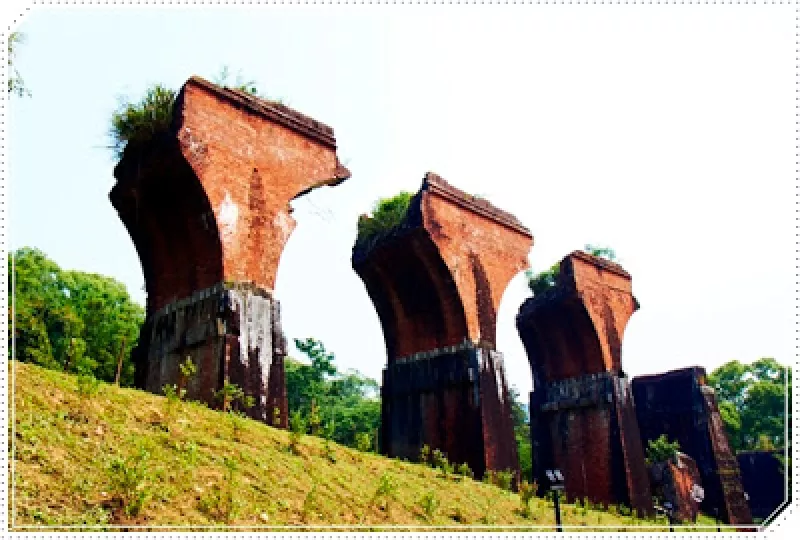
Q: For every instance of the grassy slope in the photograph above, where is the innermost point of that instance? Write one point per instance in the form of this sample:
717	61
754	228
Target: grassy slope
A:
65	445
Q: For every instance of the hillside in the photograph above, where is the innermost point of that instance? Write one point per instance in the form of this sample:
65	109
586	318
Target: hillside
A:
94	455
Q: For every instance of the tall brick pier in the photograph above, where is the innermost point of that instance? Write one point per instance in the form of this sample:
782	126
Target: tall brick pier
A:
583	420
436	281
207	205
680	404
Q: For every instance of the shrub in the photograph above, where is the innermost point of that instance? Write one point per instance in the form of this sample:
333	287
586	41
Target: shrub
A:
602	252
237	424
504	479
297	427
221	503
128	482
188	369
543	281
424	454
138	123
310	501
501	479
88	386
429	504
661	449
439	458
527	490
314	419
464	470
328	452
363	442
385	491
228	395
386	213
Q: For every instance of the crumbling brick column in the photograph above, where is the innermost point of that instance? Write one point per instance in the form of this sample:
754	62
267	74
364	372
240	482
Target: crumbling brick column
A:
582	416
680	405
436	281
207	205
675	480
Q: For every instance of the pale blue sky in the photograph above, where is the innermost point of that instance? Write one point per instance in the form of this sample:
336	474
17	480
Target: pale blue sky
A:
664	132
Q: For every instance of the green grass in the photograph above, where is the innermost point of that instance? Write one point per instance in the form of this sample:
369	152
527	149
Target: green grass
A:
386	214
124	458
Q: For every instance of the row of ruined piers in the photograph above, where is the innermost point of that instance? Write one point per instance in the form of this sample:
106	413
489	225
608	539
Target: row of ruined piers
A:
207	206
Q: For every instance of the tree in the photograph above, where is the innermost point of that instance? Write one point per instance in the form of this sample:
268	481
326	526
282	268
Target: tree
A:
752	401
522	434
15	83
70	320
342	405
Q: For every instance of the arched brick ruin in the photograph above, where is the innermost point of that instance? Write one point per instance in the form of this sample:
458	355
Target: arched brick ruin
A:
679	404
207	206
583	420
436	281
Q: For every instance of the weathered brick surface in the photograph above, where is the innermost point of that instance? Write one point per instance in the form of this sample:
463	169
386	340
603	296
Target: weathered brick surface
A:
436	282
764	481
674	480
680	405
582	413
207	205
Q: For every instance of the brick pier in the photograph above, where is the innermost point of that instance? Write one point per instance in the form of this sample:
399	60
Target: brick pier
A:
207	205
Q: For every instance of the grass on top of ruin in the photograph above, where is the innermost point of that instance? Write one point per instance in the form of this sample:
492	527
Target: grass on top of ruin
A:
89	456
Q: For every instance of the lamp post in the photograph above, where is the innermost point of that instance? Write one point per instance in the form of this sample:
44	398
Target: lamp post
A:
556	485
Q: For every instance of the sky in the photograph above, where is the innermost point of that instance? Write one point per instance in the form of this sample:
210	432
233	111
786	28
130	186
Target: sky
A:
663	131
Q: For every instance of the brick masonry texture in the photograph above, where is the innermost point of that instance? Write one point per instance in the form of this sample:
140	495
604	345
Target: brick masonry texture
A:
680	405
675	481
436	281
583	419
207	205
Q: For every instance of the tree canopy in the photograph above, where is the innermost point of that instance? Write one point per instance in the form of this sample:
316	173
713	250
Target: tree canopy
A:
69	320
342	406
522	433
16	85
752	402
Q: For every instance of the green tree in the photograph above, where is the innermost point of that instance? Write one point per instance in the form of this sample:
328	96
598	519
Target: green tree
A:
15	83
522	434
344	404
70	320
752	402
